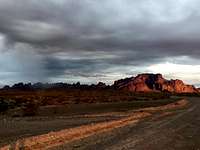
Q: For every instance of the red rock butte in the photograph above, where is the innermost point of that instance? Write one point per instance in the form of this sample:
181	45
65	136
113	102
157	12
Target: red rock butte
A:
153	83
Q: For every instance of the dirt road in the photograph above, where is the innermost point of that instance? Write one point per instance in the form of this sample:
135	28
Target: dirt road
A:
56	118
175	130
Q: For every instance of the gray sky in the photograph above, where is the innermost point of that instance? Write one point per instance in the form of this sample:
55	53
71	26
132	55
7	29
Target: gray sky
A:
98	40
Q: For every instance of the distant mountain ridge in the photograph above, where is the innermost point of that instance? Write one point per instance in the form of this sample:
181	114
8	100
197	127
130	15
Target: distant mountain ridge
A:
41	86
148	82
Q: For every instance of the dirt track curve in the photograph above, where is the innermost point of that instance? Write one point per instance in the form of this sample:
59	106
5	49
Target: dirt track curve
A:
169	129
175	130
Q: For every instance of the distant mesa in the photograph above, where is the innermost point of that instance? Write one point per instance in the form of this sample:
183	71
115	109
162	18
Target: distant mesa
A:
153	83
146	82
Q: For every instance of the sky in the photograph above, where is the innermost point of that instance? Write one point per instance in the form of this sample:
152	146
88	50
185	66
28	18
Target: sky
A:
98	40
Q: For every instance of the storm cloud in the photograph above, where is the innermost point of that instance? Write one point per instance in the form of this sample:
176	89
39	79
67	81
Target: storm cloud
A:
67	40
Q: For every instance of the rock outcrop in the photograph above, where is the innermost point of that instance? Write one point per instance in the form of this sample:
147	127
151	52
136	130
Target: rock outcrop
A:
153	83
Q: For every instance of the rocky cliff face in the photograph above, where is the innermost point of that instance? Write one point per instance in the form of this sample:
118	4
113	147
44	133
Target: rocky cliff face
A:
153	83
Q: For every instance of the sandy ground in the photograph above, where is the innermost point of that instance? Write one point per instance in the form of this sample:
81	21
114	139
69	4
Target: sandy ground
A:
55	139
173	130
56	118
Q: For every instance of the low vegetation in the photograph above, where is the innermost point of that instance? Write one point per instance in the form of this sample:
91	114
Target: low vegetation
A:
29	101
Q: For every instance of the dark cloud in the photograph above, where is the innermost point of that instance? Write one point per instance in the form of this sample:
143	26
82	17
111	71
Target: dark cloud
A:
94	25
131	33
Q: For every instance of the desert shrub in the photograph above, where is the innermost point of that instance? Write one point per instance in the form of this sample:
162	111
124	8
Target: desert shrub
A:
187	94
4	105
30	108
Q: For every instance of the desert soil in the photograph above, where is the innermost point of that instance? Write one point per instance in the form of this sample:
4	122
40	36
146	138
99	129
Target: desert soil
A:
166	129
55	118
172	130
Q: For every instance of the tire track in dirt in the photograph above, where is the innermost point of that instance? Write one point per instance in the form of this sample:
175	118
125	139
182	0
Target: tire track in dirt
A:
54	139
158	135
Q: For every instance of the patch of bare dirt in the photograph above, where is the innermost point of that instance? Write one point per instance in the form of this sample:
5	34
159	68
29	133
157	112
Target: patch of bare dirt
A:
175	105
68	135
